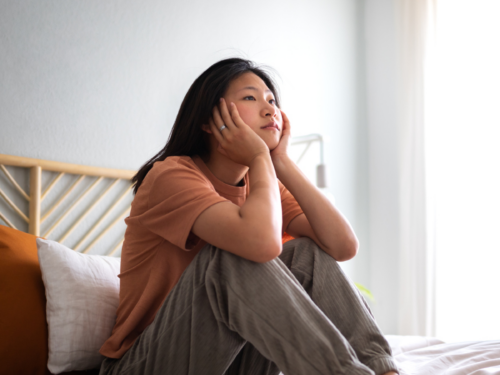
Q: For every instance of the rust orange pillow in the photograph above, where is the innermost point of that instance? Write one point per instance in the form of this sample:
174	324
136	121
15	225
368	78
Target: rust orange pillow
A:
23	326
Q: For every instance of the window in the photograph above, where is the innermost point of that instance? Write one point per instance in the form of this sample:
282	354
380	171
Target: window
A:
463	160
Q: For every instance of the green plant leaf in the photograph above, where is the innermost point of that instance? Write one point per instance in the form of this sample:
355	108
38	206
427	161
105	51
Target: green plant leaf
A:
365	292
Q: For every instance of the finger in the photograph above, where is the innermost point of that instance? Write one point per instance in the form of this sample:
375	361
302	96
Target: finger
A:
286	123
219	121
215	126
226	117
216	132
211	122
216	117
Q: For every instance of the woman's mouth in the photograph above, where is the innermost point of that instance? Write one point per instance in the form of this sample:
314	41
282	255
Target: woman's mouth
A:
271	126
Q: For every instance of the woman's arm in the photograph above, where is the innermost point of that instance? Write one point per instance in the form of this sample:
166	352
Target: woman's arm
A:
252	231
321	221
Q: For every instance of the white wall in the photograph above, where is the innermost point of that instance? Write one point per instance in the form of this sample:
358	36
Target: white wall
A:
100	83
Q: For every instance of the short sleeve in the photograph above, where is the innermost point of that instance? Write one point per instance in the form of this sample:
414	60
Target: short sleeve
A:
289	206
178	195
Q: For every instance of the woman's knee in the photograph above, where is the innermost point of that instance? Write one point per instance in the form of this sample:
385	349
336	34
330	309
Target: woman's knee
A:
230	265
300	242
302	246
300	253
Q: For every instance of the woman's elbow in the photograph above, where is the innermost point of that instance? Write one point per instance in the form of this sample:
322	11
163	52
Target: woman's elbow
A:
267	249
347	250
269	253
265	242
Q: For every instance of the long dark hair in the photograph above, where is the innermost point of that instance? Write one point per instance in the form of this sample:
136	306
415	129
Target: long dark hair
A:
187	137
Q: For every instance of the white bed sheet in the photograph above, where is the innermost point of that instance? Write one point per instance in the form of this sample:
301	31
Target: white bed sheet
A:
417	355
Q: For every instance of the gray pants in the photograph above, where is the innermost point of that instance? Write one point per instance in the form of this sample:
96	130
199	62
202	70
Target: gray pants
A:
227	315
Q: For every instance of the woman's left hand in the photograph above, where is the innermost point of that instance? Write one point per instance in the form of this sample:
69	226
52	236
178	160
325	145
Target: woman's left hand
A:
281	150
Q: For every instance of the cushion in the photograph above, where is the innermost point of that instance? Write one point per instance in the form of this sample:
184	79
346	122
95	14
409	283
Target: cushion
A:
82	299
23	328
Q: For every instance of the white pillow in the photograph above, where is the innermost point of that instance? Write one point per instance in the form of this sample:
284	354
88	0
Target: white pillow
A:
82	299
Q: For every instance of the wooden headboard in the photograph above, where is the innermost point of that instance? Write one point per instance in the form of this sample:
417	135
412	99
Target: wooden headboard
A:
65	202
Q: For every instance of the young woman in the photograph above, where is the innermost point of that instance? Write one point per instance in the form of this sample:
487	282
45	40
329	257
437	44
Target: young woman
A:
206	286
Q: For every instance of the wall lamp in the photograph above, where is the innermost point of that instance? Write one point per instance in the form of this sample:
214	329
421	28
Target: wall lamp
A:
320	168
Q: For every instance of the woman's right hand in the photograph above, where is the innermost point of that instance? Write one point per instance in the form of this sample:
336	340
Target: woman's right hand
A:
237	141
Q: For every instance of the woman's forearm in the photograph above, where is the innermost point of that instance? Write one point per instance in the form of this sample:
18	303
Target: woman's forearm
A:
262	208
332	231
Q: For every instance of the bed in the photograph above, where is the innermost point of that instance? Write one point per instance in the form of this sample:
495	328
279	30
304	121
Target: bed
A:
48	320
428	355
79	212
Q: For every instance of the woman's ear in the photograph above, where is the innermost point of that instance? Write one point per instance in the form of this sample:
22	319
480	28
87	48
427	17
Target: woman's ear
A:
206	128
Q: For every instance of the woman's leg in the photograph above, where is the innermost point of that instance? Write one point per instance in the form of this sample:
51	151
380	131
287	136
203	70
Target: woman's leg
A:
250	362
184	337
301	256
221	302
340	301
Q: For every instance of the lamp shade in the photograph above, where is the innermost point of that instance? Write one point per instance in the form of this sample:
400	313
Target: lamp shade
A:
321	176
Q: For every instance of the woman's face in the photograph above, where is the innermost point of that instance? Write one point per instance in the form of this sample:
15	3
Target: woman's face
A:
257	107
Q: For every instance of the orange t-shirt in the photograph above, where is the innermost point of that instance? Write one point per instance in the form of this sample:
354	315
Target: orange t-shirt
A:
159	244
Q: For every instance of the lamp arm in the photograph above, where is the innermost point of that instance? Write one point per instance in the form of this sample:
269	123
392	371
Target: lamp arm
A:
321	169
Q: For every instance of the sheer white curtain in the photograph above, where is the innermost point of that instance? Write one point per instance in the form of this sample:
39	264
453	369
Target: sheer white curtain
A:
450	168
463	138
416	281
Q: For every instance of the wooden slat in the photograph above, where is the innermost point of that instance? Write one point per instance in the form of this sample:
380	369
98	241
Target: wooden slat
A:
82	216
66	213
121	217
14	182
125	193
14	207
35	199
52	184
51	209
116	248
7	221
54	166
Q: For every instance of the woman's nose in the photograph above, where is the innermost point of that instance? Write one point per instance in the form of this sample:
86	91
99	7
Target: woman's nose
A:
270	110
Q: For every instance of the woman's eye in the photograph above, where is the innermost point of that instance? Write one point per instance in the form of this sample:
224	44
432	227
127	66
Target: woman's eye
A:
272	101
249	98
